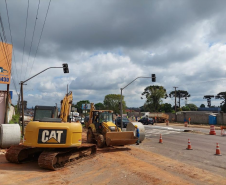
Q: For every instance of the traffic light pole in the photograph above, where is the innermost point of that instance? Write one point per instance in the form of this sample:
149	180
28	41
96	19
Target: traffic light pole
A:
153	77
21	86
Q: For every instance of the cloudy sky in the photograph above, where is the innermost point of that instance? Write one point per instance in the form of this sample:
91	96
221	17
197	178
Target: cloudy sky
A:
108	43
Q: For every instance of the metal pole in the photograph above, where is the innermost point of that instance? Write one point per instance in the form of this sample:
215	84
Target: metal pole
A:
85	109
179	98
175	94
121	109
6	105
121	94
22	102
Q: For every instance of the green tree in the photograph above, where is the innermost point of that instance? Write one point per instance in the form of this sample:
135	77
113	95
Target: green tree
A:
222	96
185	108
112	101
192	107
154	94
179	94
202	106
99	106
166	107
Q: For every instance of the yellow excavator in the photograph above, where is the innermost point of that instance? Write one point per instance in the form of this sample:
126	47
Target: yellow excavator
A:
54	141
104	132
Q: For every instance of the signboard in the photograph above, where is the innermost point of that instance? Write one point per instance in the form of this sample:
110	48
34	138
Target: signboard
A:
85	106
5	62
74	109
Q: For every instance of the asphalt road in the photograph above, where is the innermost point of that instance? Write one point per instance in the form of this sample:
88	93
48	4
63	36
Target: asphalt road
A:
175	144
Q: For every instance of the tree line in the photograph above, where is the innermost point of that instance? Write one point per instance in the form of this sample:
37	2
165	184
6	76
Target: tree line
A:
154	96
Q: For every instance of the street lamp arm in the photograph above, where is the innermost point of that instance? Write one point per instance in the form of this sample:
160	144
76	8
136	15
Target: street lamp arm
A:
133	81
121	95
39	73
22	99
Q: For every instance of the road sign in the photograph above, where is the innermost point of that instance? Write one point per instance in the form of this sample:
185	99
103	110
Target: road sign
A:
85	106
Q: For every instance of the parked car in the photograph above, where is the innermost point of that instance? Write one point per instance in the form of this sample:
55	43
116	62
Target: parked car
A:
82	121
125	121
146	121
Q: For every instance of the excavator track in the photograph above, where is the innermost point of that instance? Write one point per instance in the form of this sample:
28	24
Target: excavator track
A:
52	159
57	159
20	153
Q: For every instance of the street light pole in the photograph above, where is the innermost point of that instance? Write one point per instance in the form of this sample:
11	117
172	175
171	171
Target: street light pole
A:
66	70
153	79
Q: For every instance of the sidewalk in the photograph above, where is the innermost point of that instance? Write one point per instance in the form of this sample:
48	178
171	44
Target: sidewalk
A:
217	127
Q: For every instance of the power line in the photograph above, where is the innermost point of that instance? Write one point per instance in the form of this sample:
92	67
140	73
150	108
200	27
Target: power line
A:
11	37
33	35
24	41
40	36
7	61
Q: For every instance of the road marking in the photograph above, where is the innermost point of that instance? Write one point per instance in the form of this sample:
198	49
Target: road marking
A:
156	132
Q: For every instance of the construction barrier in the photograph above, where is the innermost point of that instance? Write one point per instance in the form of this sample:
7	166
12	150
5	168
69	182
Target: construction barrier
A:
160	139
223	132
218	152
212	130
189	145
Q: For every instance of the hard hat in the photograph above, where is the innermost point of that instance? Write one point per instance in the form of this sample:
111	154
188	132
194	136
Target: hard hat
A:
135	126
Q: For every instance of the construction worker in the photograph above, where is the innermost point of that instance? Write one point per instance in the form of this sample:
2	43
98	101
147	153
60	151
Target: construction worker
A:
137	134
189	120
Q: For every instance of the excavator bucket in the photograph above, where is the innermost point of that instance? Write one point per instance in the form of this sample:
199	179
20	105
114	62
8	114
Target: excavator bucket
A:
120	138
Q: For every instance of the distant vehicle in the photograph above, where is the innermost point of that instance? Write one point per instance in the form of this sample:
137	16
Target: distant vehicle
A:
125	121
146	121
86	119
82	120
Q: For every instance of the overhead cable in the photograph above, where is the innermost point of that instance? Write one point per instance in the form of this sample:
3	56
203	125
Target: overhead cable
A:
24	42
40	36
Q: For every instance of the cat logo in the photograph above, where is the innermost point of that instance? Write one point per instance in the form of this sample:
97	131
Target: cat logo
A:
52	136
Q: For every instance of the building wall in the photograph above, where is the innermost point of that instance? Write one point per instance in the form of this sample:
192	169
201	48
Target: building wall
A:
11	111
198	117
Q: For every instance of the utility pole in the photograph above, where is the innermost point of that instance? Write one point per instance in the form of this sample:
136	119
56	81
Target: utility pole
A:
175	103
179	98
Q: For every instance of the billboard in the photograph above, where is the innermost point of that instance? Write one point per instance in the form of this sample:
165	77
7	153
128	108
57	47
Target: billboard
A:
5	62
85	106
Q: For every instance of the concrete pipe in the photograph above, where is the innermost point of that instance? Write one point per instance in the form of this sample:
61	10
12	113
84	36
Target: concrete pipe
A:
9	135
131	127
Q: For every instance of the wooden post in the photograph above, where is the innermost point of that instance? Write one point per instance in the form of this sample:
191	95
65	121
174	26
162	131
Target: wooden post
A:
6	106
22	102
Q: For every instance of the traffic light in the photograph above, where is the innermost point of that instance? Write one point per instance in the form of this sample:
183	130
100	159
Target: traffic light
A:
153	78
119	106
65	68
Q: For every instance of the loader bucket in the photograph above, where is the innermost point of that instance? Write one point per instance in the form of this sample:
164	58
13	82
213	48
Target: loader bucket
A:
120	138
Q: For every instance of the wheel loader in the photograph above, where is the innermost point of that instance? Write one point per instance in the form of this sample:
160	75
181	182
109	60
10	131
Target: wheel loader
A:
55	142
104	132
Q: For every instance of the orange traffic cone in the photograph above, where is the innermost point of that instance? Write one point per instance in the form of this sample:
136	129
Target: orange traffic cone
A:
160	139
189	145
218	152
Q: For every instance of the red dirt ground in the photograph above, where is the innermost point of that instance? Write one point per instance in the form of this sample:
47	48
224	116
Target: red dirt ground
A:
111	165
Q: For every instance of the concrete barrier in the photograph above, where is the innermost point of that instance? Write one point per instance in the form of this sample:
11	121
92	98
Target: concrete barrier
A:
10	134
131	127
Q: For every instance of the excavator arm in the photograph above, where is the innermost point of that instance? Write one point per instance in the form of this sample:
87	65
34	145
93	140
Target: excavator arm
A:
66	106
